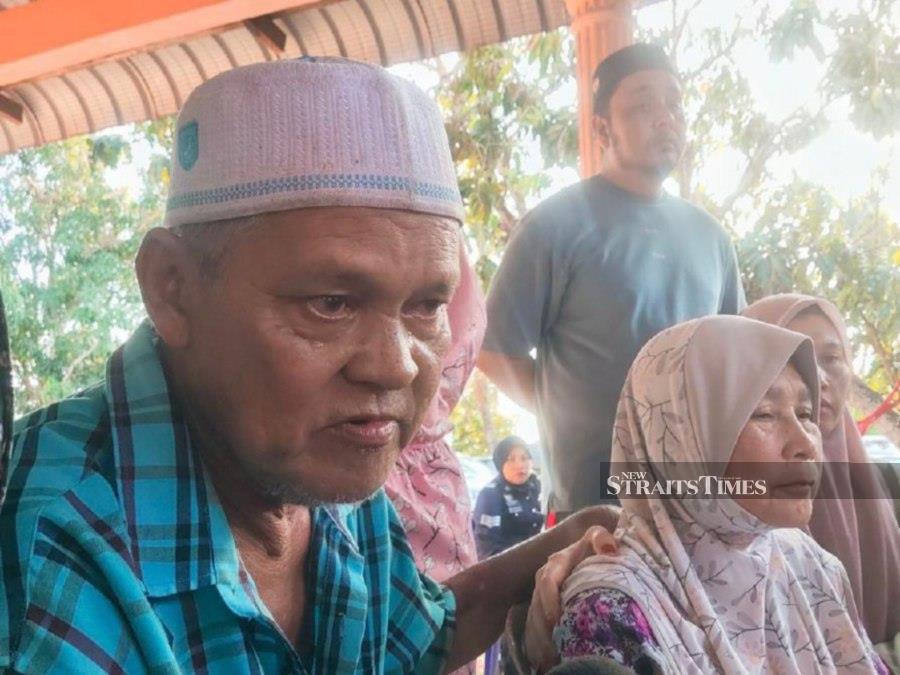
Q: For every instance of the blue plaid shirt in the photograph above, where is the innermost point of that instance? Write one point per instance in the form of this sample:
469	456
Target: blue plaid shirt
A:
117	556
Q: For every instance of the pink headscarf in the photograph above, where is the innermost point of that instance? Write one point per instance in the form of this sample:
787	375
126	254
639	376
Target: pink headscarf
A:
427	485
852	517
467	322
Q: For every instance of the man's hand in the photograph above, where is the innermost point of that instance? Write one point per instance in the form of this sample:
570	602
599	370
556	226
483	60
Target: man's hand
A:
546	608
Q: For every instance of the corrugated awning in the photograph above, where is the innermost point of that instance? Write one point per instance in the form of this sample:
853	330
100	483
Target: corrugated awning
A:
150	83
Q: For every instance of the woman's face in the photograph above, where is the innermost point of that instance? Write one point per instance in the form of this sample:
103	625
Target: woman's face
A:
517	467
781	445
834	371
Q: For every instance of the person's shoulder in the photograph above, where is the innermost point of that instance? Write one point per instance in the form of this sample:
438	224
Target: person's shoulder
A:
495	485
691	212
565	210
55	448
63	517
801	547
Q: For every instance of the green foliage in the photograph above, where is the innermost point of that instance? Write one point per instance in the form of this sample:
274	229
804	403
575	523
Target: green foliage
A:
477	424
806	241
67	242
795	236
498	117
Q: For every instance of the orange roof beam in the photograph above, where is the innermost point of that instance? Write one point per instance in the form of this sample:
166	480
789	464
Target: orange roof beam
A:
268	34
50	36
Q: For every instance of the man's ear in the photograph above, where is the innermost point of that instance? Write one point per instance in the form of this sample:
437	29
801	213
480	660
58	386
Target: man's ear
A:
164	267
601	128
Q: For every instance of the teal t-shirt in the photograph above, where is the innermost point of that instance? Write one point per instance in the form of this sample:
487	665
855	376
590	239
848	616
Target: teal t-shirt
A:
589	276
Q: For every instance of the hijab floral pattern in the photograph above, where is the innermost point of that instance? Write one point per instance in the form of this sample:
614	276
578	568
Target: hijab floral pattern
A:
722	590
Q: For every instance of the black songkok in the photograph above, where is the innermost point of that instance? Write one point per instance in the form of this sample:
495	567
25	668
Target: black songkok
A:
620	64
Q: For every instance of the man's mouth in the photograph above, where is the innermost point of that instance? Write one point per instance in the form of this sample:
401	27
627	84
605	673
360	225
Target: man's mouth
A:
368	431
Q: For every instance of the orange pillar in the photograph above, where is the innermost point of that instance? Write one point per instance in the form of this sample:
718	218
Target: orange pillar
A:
600	27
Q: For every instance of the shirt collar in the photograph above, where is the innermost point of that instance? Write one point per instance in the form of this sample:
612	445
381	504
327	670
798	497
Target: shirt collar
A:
179	535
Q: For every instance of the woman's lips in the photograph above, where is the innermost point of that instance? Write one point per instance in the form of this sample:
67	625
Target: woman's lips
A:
799	490
368	433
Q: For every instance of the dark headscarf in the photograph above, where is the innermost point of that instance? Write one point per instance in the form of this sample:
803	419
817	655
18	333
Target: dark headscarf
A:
6	400
622	63
506	446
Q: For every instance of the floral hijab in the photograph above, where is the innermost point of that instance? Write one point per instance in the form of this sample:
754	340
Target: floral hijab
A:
722	590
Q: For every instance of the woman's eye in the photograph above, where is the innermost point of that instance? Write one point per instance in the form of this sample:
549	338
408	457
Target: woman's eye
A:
805	414
762	415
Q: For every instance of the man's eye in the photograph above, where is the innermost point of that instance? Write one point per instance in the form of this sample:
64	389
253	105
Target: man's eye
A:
428	309
330	306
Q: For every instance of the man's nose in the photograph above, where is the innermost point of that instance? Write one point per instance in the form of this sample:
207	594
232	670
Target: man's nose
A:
385	356
666	117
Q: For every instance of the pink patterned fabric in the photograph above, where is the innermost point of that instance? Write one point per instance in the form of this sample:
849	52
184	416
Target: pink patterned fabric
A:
426	484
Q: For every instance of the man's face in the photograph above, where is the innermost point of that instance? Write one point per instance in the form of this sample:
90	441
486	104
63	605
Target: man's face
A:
644	128
317	347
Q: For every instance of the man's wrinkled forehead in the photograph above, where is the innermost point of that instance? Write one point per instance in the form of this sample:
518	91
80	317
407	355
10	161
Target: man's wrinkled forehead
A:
349	247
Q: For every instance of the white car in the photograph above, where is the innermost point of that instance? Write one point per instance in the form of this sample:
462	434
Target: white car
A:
881	449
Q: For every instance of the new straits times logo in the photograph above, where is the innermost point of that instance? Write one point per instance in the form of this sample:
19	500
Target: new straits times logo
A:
637	484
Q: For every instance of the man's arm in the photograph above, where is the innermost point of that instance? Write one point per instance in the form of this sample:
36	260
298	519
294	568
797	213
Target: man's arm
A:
485	592
514	375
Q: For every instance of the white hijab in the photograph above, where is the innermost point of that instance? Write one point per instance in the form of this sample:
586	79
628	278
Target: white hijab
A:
722	590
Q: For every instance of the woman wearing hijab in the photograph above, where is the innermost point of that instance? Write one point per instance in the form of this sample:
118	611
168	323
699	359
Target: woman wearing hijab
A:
706	583
426	485
508	509
852	516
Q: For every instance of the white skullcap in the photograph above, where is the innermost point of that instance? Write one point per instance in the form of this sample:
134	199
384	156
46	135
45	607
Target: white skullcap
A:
309	132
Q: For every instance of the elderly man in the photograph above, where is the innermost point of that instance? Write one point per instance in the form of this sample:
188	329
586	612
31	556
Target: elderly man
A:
215	504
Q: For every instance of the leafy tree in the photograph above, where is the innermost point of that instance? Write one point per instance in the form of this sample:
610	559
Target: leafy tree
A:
499	119
67	242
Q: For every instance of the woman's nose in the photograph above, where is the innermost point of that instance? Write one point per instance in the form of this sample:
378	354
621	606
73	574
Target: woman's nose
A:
801	442
824	381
